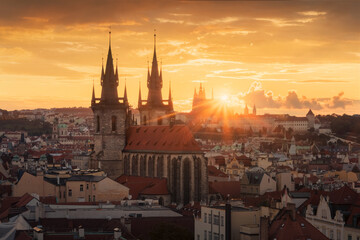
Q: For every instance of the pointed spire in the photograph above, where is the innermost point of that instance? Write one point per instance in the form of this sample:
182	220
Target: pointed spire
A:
195	94
93	94
125	94
109	94
139	100
154	82
170	97
102	72
116	71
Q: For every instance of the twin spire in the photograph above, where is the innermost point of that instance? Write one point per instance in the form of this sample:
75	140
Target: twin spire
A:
155	84
110	82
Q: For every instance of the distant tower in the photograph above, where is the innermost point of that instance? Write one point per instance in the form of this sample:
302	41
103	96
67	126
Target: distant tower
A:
155	110
111	119
246	110
311	118
254	110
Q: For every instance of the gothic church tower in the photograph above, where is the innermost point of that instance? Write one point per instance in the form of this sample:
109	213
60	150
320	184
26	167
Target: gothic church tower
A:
111	120
155	110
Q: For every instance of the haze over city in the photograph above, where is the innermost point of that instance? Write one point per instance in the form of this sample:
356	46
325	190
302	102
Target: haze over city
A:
283	56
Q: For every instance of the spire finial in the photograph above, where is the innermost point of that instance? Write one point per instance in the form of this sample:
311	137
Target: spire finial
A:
109	36
154	38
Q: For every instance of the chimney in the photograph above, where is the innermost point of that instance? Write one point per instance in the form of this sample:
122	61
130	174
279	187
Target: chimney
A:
38	233
264	228
81	232
228	221
117	233
291	208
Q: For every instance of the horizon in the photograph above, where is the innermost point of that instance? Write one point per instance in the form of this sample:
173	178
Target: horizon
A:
279	56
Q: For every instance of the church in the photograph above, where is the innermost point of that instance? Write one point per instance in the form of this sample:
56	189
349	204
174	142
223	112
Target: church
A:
155	148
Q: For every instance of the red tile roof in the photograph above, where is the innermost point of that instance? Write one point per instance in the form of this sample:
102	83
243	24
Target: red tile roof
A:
177	138
233	188
344	195
284	227
144	185
213	171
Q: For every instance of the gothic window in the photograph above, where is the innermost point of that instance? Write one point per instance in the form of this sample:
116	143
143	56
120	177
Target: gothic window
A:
151	166
97	123
113	123
144	120
186	180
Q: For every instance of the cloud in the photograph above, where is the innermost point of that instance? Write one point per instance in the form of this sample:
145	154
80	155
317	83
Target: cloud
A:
265	99
339	102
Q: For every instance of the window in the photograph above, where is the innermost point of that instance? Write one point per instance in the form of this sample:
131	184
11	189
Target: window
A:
81	188
349	237
144	120
113	123
97	123
323	213
331	234
159	121
216	220
64	194
70	192
216	236
87	186
205	217
222	220
94	188
93	198
210	236
198	237
222	236
89	198
205	235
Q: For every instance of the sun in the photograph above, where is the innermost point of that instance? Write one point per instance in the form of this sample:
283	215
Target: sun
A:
225	98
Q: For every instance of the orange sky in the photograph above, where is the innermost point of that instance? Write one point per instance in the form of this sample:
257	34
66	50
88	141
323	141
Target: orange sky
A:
283	56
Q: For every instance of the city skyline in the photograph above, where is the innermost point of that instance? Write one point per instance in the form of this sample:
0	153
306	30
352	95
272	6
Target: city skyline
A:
279	56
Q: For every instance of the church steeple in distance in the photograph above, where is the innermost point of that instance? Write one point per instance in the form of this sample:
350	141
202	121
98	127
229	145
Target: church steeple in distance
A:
109	81
154	82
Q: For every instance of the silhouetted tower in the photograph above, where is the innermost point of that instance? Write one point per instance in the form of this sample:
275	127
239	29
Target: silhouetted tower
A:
111	119
254	110
155	110
246	110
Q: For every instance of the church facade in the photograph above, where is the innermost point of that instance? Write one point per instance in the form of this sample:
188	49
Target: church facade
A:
155	148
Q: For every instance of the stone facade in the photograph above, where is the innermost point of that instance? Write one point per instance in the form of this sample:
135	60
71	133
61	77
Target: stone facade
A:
109	138
121	149
186	173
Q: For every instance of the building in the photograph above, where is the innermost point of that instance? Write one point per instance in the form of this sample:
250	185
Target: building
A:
227	222
170	152
111	119
71	188
257	183
153	149
155	110
288	224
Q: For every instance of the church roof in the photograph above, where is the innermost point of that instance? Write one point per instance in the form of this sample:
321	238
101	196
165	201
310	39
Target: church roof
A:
177	138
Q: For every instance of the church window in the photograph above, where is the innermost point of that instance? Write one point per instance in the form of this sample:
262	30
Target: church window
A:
113	123
144	120
97	123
